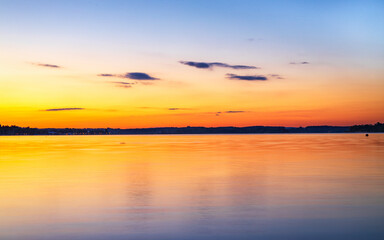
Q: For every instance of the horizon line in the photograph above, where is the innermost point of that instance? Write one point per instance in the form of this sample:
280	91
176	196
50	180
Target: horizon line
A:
323	125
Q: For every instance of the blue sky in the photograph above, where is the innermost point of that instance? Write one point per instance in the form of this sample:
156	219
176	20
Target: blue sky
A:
299	27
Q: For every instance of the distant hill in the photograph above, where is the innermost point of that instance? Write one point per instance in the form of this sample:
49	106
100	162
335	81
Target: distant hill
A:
15	130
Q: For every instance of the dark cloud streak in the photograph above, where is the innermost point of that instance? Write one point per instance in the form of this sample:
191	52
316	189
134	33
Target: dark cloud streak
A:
62	109
138	76
234	111
206	65
123	84
277	76
175	109
47	65
130	75
247	77
106	75
231	111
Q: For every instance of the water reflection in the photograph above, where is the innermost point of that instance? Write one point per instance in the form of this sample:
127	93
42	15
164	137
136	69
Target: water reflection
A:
312	186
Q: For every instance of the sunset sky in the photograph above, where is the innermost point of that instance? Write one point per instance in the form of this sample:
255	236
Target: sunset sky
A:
128	64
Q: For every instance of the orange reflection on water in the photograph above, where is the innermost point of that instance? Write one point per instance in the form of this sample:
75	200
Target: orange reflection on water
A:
175	186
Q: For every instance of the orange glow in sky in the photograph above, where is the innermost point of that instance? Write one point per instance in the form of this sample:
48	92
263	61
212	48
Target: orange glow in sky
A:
97	68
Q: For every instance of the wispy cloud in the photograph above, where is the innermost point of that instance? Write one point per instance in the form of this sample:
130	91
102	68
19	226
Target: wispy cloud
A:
247	77
206	65
123	84
299	63
47	65
235	111
176	109
130	75
107	75
277	76
62	109
231	111
254	39
169	108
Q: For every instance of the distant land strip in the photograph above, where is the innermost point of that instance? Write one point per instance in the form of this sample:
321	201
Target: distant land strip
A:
15	130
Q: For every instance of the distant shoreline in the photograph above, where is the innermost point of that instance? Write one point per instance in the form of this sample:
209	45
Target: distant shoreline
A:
186	134
15	130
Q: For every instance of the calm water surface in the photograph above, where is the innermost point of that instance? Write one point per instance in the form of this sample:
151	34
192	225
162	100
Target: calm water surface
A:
305	186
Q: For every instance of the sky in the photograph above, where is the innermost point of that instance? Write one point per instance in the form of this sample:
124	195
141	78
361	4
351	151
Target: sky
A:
133	64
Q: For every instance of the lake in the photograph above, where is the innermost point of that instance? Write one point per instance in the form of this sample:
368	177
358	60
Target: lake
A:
176	187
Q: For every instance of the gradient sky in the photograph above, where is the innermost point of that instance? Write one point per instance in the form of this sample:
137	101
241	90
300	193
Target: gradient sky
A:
149	63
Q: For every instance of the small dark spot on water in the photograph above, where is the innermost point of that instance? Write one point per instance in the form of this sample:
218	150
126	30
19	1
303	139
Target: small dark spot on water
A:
122	143
367	135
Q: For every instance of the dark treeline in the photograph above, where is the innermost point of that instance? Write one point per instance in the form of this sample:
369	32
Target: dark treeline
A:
199	130
15	130
378	127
